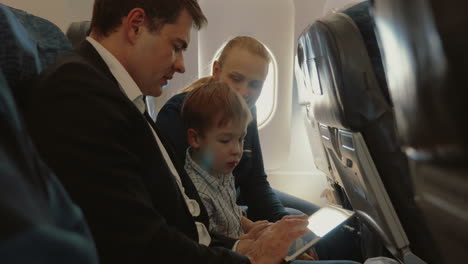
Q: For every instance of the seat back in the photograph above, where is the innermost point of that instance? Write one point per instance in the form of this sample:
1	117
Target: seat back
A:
303	79
78	31
40	224
356	120
29	44
426	60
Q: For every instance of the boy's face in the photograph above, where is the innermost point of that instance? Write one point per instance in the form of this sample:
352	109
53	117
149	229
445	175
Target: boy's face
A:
220	148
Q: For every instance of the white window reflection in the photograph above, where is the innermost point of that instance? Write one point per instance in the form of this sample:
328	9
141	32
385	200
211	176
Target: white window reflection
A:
267	101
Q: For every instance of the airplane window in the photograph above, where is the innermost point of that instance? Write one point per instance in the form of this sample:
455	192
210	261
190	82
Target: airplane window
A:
267	101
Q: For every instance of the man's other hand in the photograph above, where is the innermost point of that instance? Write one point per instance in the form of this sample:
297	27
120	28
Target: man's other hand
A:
255	230
273	244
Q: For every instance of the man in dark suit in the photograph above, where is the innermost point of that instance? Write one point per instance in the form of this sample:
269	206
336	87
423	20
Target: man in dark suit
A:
86	115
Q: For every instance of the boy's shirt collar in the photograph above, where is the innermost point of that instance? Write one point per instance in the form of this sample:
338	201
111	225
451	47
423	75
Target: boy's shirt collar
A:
210	179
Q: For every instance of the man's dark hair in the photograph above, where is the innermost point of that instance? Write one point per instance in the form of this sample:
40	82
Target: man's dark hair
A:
108	14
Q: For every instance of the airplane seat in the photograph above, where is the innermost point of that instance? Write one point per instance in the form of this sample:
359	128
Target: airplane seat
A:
40	224
352	105
426	60
321	160
78	31
29	43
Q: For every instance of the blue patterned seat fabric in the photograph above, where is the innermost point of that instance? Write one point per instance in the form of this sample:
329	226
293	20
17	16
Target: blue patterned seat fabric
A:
49	39
28	44
40	224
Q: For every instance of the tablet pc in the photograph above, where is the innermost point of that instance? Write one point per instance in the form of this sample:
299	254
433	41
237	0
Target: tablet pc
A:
321	223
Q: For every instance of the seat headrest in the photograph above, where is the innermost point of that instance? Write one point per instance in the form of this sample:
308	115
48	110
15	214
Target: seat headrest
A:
29	44
360	14
19	58
426	60
343	55
78	31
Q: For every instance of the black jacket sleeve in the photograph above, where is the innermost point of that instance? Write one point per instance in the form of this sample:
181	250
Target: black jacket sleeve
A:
85	136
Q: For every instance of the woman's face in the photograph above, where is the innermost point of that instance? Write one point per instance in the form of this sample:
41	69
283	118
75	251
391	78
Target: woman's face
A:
243	71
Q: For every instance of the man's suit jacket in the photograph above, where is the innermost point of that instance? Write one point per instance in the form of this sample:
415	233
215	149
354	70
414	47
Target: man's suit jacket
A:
104	152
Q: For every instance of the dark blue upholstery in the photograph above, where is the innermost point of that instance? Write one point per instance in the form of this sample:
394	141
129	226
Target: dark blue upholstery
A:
48	38
28	45
19	57
40	224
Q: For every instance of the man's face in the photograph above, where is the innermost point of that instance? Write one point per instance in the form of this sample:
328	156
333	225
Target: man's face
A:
221	148
243	71
158	55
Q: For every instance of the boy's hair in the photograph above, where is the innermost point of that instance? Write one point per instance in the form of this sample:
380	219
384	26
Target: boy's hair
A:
213	104
202	81
108	14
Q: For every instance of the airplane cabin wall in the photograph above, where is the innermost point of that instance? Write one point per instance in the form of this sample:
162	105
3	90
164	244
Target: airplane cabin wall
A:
299	175
333	5
60	12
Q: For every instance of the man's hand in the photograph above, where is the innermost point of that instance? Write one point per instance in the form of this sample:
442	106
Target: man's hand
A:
253	230
248	224
244	245
273	244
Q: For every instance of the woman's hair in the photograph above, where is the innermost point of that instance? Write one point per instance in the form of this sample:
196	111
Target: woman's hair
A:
213	104
250	44
244	42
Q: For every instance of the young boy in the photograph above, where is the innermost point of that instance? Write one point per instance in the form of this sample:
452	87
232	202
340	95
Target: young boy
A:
216	119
